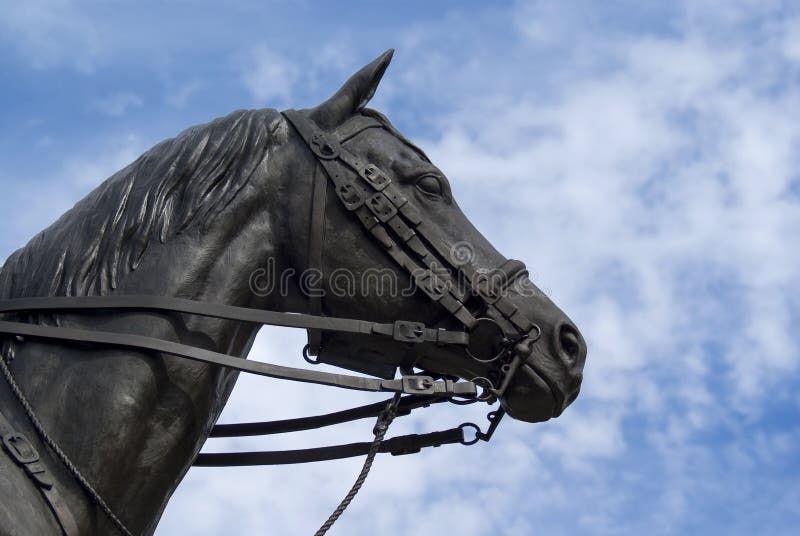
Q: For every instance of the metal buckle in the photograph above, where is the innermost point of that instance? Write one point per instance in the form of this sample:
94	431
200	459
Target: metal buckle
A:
351	196
373	175
380	205
431	285
20	448
419	385
405	331
325	147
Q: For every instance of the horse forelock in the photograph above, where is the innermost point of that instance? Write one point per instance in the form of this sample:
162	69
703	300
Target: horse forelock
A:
181	182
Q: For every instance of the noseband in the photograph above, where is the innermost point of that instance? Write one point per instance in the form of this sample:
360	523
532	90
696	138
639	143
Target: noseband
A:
418	247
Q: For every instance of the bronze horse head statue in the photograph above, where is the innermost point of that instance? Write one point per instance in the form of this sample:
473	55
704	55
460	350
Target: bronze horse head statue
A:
312	216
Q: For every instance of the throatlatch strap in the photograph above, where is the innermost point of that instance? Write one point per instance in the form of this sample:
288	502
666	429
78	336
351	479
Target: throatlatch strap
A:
316	239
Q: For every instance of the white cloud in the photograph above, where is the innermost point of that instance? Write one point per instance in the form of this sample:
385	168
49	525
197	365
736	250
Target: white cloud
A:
631	162
119	103
645	177
83	172
653	194
653	198
179	96
268	75
791	40
50	33
77	177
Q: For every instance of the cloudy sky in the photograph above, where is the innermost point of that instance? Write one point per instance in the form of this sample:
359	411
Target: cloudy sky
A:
641	157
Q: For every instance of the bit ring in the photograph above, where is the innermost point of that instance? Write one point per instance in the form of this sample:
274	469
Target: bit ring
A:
477	437
487	386
494	357
307	357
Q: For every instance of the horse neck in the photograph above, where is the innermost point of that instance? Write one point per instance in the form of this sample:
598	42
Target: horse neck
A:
131	421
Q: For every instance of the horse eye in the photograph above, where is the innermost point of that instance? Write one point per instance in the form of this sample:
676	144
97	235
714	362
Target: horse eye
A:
430	185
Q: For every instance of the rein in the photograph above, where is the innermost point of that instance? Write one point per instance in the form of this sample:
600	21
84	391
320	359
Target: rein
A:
418	247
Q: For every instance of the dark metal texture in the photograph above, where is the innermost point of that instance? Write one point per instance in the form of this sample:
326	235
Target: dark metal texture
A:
381	426
406	405
188	251
396	330
407	384
17	446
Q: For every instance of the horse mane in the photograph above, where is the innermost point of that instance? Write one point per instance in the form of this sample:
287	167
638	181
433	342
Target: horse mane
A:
179	183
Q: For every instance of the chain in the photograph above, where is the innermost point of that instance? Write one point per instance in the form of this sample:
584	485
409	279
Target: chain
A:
381	427
58	452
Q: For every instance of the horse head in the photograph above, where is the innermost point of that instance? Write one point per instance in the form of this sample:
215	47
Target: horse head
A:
334	194
366	274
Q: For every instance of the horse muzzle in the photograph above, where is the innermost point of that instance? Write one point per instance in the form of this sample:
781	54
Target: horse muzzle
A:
544	374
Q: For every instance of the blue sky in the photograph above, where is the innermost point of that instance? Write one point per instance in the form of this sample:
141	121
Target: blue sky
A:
640	157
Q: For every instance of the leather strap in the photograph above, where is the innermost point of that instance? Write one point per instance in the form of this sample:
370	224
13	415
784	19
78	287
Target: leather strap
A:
424	385
316	238
398	226
405	331
406	405
378	210
22	451
355	125
383	206
407	444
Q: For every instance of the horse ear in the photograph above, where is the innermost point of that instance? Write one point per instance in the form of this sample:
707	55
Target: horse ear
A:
353	96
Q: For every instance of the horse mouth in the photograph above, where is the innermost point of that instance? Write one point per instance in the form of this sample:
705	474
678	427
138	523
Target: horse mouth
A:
532	396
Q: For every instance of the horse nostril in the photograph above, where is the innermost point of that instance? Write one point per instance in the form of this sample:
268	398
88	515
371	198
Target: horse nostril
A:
570	341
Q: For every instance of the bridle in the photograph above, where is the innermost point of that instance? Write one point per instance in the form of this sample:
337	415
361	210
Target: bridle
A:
416	246
412	242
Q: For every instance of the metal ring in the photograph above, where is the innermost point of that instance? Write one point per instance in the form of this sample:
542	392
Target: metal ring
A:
308	359
487	385
499	354
466	402
538	333
478	433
